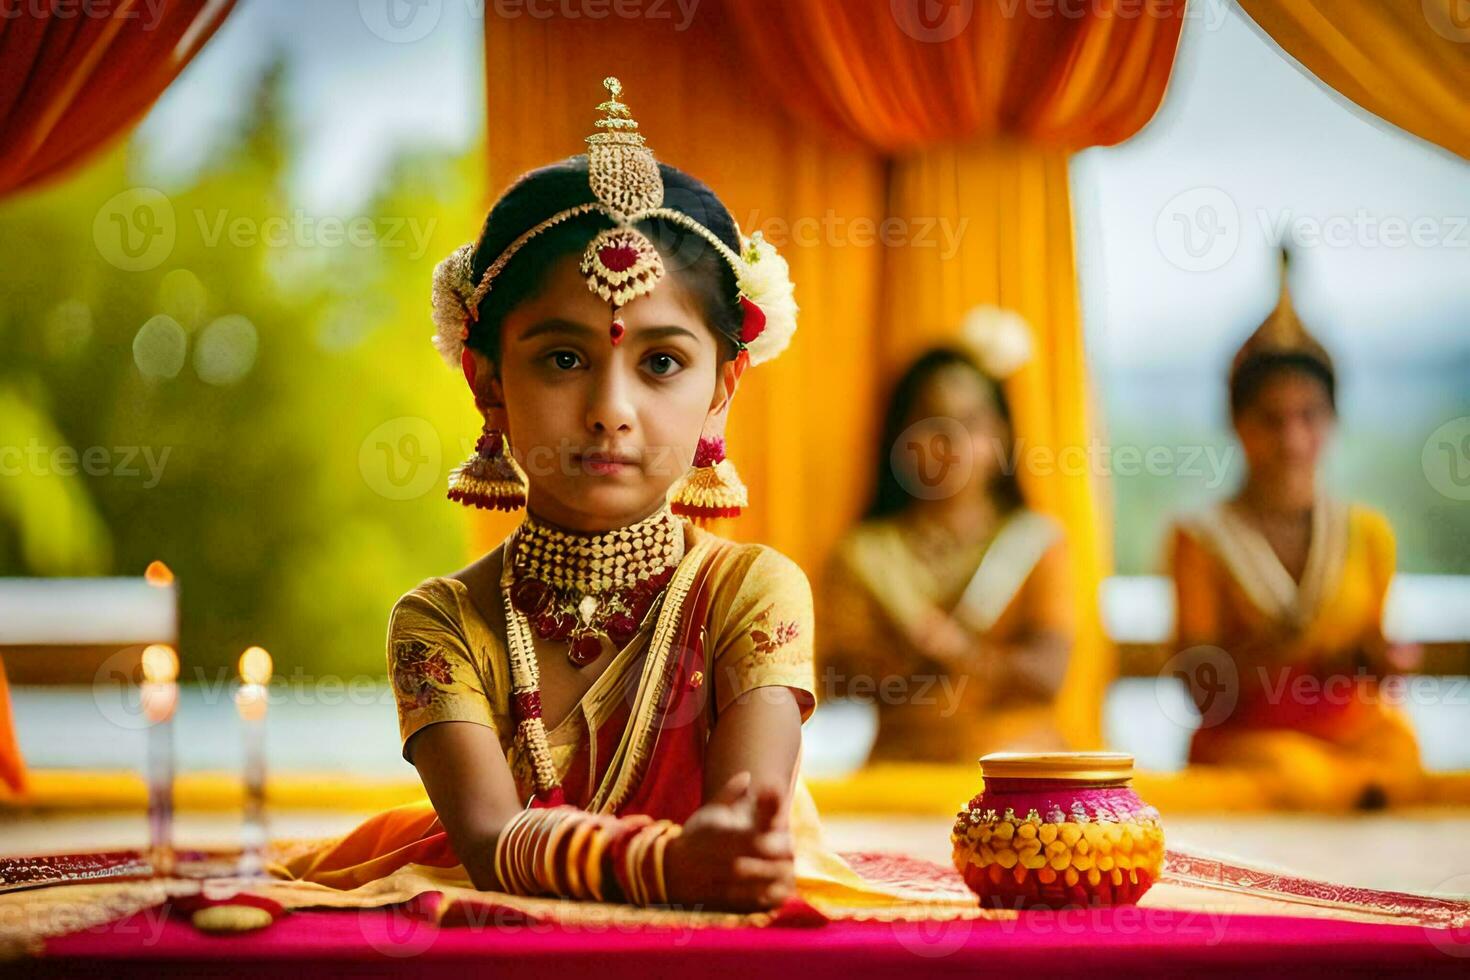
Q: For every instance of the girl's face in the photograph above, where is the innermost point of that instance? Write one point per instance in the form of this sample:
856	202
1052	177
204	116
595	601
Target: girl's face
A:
603	431
1284	428
956	393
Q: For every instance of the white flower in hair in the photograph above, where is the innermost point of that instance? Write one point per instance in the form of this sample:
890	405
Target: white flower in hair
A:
1000	340
765	280
450	297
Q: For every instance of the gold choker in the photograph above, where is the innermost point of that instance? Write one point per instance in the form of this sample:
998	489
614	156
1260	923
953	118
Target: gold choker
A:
601	561
592	591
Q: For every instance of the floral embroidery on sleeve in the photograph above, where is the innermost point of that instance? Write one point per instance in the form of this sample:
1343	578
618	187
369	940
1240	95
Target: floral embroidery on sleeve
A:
767	639
419	674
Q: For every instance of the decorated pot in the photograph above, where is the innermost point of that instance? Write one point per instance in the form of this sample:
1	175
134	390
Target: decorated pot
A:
1058	830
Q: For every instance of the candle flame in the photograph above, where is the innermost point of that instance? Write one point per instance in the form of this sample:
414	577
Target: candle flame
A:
158	574
160	664
255	666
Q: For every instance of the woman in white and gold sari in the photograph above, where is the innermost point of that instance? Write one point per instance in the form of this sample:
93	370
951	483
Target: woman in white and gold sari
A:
1280	599
948	605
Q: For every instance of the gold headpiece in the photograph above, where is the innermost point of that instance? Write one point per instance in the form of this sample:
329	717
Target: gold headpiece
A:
621	263
1282	331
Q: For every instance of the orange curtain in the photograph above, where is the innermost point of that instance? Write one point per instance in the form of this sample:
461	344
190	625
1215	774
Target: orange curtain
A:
1406	61
958	132
1062	74
71	84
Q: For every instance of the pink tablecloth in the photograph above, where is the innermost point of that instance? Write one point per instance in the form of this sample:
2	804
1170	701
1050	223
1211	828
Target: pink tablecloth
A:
1126	942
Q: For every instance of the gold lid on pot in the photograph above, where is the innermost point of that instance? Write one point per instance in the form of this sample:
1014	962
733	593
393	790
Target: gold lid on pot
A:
1081	766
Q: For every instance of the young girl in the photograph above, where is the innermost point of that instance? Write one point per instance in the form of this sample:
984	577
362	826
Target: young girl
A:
1289	585
949	603
608	705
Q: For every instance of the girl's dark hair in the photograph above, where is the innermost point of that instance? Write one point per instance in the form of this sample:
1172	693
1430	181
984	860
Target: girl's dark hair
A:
890	497
1247	380
543	192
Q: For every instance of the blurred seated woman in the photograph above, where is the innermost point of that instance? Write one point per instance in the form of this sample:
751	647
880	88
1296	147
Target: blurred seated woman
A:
1280	598
947	606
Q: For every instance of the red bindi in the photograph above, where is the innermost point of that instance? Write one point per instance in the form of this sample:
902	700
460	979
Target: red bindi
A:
617	330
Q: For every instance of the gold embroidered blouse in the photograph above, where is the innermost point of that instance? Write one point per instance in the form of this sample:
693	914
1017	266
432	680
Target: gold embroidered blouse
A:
447	663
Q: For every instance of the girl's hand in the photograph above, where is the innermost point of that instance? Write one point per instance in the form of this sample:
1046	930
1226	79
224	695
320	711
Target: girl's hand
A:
735	852
942	638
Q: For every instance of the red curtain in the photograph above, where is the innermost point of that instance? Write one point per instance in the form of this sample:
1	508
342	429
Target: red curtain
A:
76	76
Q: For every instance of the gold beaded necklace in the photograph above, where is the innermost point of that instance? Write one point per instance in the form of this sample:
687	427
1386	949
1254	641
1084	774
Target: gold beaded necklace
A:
593	591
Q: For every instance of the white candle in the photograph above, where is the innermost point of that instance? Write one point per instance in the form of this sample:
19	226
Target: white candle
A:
159	695
250	701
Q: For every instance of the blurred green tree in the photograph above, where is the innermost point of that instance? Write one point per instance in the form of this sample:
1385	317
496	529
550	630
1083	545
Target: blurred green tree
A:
211	377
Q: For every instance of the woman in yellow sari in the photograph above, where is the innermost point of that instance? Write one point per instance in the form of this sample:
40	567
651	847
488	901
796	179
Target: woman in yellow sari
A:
608	705
1280	599
948	605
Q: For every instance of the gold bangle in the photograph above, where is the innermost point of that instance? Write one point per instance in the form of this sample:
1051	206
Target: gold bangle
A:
504	842
572	859
593	863
661	886
633	864
561	823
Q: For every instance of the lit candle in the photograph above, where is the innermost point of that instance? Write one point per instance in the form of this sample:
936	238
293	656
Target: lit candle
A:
159	697
250	700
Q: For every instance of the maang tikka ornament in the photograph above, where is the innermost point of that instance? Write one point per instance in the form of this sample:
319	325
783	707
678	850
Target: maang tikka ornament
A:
621	264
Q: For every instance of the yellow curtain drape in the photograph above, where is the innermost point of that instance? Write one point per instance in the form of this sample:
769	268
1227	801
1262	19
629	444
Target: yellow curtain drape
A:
1406	61
1006	207
961	139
